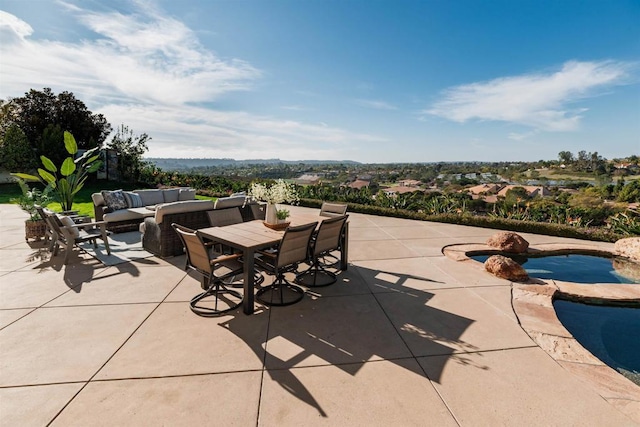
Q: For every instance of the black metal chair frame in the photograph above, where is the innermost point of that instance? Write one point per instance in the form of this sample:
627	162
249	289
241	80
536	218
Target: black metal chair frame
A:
293	248
323	242
214	285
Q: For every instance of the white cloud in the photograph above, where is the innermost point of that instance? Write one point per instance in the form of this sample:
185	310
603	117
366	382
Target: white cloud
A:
376	105
11	26
540	101
150	72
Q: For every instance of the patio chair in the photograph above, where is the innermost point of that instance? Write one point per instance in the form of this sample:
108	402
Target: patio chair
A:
332	209
258	211
222	217
326	240
214	268
291	251
65	233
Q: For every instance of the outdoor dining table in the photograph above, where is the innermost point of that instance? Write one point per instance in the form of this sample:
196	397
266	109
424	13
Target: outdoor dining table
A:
254	235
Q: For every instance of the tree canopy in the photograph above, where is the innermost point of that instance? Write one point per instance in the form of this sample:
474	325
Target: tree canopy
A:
43	117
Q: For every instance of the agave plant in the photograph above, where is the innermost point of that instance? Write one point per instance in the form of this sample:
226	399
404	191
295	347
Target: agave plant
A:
66	181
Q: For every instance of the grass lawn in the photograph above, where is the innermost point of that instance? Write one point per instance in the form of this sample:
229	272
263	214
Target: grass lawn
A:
82	202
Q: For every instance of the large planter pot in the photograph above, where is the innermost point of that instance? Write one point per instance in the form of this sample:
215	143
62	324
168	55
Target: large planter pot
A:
35	229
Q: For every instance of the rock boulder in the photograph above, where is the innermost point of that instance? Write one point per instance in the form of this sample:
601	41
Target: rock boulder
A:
629	247
505	268
508	241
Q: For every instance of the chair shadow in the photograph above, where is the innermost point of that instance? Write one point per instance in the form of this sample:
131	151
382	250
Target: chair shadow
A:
324	330
81	269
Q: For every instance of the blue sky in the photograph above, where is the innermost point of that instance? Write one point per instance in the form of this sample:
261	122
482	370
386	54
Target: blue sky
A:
366	80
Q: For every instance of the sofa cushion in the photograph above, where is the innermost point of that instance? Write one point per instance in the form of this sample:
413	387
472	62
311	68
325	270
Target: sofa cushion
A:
97	199
171	195
133	199
180	207
230	202
68	222
187	194
150	197
115	199
127	214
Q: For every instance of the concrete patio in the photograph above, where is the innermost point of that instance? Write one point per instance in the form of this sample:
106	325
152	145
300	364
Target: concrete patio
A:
406	337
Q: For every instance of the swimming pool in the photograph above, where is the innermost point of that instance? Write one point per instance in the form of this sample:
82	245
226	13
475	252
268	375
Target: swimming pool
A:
578	268
612	334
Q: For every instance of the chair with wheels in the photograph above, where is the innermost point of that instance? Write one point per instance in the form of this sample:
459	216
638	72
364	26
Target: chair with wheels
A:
291	251
214	268
326	240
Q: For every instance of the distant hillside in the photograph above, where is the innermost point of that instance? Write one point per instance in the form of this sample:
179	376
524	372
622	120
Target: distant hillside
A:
185	164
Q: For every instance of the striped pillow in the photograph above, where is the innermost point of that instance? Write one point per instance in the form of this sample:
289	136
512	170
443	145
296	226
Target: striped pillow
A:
133	199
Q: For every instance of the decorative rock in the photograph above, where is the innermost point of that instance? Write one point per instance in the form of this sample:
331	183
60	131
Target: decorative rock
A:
508	241
506	268
629	247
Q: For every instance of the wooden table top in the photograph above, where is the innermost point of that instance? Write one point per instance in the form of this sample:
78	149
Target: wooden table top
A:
254	234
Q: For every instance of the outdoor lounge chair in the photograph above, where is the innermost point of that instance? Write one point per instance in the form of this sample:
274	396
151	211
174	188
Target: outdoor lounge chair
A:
65	233
291	251
214	268
326	240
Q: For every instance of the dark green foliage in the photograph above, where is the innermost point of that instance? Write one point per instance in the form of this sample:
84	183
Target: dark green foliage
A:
130	149
15	151
44	116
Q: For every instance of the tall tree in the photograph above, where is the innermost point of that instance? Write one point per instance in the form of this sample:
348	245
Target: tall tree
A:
565	157
44	116
130	148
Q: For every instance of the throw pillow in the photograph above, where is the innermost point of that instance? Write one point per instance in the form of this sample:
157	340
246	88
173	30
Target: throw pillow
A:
68	222
133	199
115	200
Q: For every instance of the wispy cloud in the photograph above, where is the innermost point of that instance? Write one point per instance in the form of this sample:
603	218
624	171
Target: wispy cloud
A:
149	71
375	104
541	100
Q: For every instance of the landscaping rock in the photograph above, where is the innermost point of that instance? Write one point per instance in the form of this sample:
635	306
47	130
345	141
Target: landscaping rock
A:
629	247
505	268
508	241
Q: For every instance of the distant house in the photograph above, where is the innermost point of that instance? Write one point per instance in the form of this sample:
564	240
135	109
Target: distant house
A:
532	190
359	184
399	189
484	189
409	183
307	179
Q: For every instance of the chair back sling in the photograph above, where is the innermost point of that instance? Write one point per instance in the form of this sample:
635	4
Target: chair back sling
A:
332	209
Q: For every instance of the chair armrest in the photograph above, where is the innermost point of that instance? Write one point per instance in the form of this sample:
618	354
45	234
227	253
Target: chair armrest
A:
223	258
88	224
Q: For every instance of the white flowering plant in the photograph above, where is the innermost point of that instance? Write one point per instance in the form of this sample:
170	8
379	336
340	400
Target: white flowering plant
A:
280	192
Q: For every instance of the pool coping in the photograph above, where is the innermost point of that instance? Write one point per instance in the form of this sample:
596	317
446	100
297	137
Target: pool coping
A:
532	303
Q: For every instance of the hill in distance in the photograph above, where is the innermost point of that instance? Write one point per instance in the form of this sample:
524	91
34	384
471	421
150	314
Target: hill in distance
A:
166	164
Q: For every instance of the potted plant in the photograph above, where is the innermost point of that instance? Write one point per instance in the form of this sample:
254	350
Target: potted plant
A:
67	180
280	192
34	227
282	215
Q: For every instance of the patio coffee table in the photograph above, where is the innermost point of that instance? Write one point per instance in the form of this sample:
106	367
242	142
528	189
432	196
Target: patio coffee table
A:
251	236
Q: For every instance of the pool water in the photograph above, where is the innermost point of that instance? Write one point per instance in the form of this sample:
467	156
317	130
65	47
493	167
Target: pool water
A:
612	334
578	268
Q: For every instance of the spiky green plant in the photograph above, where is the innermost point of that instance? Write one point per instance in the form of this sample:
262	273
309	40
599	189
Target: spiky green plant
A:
67	180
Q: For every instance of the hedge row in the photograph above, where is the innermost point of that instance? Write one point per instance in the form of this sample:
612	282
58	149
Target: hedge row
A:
549	229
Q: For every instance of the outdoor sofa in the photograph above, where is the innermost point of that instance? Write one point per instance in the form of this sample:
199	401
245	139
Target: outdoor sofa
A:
161	239
125	210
